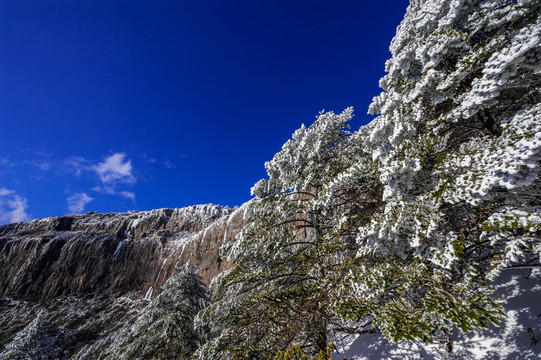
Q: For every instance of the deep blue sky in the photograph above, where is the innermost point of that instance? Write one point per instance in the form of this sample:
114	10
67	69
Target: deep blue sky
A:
120	105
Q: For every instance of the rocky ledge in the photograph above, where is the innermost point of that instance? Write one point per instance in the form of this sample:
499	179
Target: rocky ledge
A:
114	261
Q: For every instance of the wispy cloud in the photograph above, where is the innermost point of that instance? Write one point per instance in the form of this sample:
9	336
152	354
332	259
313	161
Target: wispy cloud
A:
12	207
76	165
169	164
42	165
6	162
77	202
115	169
5	192
85	181
128	195
42	160
148	159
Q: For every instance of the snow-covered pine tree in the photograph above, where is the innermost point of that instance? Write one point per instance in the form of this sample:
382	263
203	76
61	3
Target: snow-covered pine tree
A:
298	247
165	329
407	240
36	341
458	140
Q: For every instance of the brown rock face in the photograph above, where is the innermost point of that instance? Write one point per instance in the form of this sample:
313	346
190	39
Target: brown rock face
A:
121	253
68	284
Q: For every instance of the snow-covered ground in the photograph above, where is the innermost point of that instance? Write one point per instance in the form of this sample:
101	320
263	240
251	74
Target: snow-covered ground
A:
518	337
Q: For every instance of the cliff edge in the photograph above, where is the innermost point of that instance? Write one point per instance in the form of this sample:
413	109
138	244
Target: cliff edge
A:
74	279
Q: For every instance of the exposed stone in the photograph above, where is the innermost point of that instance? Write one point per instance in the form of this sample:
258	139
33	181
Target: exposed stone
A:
76	278
111	253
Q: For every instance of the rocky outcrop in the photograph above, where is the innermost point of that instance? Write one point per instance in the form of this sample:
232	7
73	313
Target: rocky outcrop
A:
111	253
67	282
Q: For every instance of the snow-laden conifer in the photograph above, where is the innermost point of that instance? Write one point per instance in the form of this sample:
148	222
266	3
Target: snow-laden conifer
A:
297	248
402	226
165	328
459	143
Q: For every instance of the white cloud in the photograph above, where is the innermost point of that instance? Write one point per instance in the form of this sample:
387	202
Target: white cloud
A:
106	189
148	159
18	207
42	160
76	165
169	165
12	207
43	165
4	192
6	162
128	195
77	202
115	170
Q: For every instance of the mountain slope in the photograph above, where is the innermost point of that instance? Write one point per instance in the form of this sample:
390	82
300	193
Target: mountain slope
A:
69	281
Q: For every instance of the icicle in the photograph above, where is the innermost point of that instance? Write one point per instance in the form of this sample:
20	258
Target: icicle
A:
148	295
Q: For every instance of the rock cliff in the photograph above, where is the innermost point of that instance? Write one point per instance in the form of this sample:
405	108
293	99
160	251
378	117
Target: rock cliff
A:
80	276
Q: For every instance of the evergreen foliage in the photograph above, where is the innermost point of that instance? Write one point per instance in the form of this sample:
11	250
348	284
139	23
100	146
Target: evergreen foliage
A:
458	139
300	244
165	329
36	341
295	352
402	226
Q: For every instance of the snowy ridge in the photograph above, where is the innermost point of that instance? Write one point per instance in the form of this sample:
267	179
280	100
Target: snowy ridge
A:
78	264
